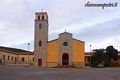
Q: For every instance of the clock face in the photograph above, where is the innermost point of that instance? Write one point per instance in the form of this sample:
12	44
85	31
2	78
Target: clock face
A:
65	43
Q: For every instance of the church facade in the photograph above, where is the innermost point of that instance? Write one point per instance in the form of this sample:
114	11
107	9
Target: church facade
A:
65	50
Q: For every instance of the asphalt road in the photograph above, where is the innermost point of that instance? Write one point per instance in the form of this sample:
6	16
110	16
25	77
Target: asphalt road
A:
8	72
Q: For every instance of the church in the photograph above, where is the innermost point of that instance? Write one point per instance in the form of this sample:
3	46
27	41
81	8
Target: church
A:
63	51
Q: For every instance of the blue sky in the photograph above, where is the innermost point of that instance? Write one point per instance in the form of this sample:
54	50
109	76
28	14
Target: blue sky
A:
96	26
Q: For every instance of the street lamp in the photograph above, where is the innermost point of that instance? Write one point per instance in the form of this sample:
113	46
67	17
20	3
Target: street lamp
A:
28	46
90	48
28	51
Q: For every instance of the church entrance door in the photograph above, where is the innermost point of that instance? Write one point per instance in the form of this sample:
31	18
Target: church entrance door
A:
65	59
39	62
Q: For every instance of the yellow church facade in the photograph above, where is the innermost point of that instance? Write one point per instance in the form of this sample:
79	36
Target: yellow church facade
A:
63	51
72	55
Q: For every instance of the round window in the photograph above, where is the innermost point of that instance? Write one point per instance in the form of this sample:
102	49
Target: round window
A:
65	43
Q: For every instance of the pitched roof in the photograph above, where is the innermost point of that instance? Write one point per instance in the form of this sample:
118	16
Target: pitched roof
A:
52	40
12	49
78	40
66	33
3	50
89	53
25	53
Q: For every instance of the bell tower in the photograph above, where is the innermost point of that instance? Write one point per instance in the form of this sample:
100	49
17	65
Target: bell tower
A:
40	38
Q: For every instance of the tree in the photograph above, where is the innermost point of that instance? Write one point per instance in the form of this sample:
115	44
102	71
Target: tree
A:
104	56
111	54
97	57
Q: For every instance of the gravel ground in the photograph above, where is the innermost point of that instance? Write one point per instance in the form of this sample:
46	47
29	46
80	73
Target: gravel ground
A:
12	72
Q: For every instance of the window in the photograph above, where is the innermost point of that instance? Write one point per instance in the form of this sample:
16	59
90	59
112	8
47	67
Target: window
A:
23	59
88	59
42	17
15	59
40	43
38	17
33	59
8	57
65	43
40	26
12	58
3	57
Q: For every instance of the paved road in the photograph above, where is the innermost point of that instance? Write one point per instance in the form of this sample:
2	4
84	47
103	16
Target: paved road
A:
34	73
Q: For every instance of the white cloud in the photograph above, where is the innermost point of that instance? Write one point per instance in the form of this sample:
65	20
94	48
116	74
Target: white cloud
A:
115	41
2	26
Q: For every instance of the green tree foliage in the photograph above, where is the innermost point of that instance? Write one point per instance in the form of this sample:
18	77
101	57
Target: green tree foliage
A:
97	57
104	56
111	54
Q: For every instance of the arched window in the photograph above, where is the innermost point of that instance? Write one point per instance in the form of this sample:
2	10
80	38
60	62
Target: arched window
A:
40	43
15	59
40	26
38	17
23	59
8	57
33	59
12	58
43	17
3	57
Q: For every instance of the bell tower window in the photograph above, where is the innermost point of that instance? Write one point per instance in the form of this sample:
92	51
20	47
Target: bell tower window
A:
42	17
40	26
38	17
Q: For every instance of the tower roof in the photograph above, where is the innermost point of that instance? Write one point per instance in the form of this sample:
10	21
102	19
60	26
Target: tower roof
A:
41	13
